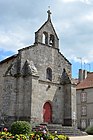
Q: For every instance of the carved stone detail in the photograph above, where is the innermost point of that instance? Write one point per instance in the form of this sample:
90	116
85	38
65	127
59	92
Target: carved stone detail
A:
29	68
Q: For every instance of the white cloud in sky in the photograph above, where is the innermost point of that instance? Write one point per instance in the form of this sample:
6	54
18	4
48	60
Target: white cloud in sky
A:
68	0
10	42
89	17
72	19
84	1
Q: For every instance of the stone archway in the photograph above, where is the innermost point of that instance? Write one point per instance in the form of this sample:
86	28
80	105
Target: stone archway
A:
47	112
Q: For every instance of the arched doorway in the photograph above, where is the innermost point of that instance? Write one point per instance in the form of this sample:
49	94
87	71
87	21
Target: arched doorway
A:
47	112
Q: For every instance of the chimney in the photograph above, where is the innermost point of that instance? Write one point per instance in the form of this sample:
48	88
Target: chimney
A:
80	75
85	74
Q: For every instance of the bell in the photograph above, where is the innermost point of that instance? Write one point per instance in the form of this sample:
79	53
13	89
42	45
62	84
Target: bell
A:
51	43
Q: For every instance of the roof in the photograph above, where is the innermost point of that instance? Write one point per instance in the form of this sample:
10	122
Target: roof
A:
65	58
8	59
86	83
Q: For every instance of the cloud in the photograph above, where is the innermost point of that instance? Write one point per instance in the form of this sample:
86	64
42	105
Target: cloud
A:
68	1
84	1
75	30
88	17
10	42
72	19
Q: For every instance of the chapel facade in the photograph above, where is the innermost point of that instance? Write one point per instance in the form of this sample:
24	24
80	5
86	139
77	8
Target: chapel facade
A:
35	84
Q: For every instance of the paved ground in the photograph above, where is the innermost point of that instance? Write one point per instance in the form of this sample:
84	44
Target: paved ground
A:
89	137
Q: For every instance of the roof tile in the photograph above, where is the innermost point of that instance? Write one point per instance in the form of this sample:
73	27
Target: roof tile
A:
86	83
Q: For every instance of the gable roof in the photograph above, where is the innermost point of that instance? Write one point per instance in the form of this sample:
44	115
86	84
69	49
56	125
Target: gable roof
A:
48	20
86	83
65	58
8	59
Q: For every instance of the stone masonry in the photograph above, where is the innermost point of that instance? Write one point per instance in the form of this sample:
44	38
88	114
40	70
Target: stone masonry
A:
35	84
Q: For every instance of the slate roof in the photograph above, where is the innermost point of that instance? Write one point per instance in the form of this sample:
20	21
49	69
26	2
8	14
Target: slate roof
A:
86	83
8	59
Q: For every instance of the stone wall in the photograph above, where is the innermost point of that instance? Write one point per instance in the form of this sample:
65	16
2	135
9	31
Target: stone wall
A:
89	106
44	56
27	87
3	68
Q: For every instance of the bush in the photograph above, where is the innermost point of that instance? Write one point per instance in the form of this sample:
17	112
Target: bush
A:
38	135
20	127
89	130
35	135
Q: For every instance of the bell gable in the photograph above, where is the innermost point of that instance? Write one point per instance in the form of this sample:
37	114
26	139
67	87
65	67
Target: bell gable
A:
46	34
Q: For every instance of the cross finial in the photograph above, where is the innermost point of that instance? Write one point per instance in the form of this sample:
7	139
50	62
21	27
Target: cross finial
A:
49	13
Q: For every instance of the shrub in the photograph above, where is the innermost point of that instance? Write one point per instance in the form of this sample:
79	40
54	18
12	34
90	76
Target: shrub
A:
89	130
35	135
46	136
20	127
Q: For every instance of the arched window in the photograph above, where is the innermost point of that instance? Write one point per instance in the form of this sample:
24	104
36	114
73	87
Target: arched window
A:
49	74
45	38
51	41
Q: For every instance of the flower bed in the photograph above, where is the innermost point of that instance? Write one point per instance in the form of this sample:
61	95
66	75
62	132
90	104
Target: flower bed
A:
21	130
35	135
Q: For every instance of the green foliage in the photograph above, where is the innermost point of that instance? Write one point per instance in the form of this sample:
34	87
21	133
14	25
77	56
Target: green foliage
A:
89	130
62	137
23	128
5	136
9	136
47	136
20	127
36	135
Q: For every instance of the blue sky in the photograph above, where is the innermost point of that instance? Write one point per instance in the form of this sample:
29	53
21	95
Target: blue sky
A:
72	20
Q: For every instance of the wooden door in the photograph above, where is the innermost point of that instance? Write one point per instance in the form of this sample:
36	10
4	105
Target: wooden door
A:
47	112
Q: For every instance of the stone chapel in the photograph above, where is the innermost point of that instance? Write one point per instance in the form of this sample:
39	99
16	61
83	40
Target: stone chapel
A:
36	84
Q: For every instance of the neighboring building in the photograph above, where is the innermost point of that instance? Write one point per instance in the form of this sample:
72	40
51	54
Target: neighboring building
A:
35	84
84	92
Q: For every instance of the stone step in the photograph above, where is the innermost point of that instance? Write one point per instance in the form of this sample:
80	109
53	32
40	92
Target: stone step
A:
59	129
70	131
